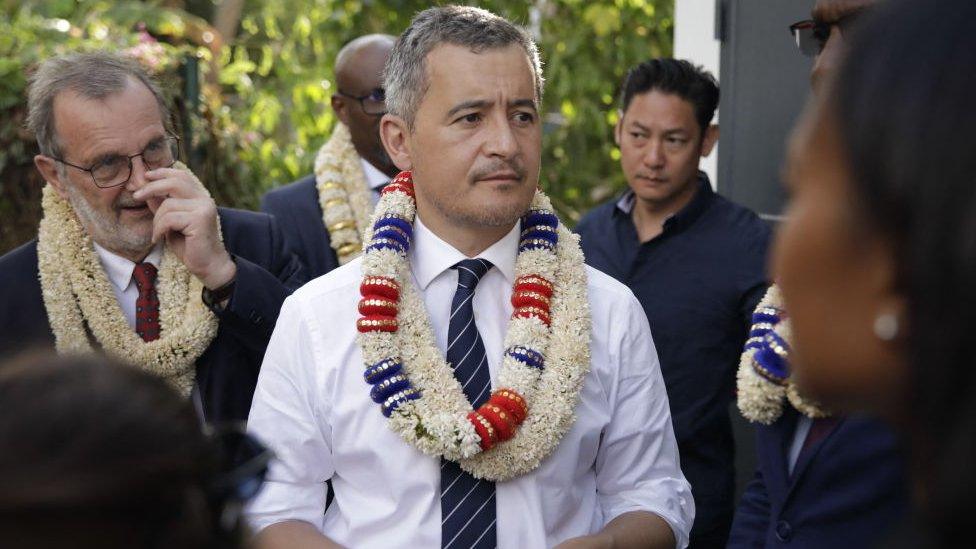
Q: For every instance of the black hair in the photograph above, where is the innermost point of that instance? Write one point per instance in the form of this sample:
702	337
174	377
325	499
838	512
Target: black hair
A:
903	101
674	76
97	454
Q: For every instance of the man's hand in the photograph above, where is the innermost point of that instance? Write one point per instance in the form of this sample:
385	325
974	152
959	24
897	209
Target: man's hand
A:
186	217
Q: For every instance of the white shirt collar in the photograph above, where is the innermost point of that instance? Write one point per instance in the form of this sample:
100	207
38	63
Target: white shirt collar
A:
430	256
119	269
374	177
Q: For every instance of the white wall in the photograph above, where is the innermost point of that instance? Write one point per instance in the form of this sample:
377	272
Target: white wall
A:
694	39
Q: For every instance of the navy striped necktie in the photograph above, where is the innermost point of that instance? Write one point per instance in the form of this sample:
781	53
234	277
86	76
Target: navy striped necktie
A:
467	503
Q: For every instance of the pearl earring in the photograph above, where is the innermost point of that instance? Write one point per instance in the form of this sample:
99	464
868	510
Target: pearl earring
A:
886	326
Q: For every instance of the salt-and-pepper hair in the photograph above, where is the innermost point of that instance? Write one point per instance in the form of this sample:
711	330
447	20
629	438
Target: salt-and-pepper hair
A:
91	75
405	77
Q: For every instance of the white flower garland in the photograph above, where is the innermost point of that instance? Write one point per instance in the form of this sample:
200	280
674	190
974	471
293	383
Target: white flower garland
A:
343	196
760	396
437	423
81	305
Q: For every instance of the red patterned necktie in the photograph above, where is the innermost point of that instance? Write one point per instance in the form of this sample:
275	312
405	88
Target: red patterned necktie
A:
147	304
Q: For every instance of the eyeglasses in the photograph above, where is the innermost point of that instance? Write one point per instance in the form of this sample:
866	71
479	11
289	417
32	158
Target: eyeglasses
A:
116	169
373	103
811	36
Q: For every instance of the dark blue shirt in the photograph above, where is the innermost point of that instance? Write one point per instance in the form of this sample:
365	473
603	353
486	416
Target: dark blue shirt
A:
698	281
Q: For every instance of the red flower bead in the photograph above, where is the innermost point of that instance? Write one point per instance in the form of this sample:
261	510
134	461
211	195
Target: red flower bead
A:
512	402
402	183
530	299
371	305
376	323
529	312
533	283
501	420
484	429
380	287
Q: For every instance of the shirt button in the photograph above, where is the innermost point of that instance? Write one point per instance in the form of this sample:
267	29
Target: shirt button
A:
784	531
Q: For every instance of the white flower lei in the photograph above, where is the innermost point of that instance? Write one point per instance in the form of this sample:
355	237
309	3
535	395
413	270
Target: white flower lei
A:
345	201
80	303
437	422
760	399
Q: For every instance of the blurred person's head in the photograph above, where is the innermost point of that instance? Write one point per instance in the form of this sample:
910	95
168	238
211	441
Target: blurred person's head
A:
463	88
96	454
826	34
101	124
359	101
665	128
877	256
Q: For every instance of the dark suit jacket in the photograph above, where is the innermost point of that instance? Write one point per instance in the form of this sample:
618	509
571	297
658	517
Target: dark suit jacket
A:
849	490
228	370
296	207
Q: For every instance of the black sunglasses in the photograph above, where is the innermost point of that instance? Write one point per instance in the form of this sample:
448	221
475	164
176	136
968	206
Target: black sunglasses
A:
373	103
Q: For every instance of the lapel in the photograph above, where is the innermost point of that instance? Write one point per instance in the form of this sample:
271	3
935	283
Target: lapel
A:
776	447
807	457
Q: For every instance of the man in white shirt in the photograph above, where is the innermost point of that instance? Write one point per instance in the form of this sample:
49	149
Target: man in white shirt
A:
461	267
325	214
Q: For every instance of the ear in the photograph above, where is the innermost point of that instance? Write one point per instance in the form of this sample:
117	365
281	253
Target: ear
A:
341	108
396	140
883	279
618	127
709	140
48	167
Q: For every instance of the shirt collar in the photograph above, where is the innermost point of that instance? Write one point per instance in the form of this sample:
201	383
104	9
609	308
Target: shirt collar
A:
375	179
430	255
119	269
691	211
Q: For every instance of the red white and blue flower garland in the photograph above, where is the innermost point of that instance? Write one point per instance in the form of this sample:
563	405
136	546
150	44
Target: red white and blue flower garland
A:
763	379
541	377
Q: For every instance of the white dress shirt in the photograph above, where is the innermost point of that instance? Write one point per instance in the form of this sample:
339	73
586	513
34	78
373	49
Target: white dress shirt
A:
119	272
375	179
312	407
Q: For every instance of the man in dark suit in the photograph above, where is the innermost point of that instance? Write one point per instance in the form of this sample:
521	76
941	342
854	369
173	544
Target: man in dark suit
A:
324	214
133	257
827	481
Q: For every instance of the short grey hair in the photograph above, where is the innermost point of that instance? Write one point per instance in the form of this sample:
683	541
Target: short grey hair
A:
92	75
405	77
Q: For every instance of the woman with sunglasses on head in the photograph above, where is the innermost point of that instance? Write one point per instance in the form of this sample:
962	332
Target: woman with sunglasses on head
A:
95	454
877	257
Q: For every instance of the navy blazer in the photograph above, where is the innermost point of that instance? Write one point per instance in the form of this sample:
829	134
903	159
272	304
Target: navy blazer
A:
227	371
848	490
299	214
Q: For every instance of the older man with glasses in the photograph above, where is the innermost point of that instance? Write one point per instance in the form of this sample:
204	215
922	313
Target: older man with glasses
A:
325	213
133	258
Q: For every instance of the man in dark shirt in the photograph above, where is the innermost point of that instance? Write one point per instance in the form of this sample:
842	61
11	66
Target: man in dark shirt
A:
696	262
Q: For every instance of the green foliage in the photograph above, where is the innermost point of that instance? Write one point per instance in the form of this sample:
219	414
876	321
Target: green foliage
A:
262	107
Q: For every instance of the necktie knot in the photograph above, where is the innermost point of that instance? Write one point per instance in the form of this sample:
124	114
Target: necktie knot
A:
470	272
144	275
